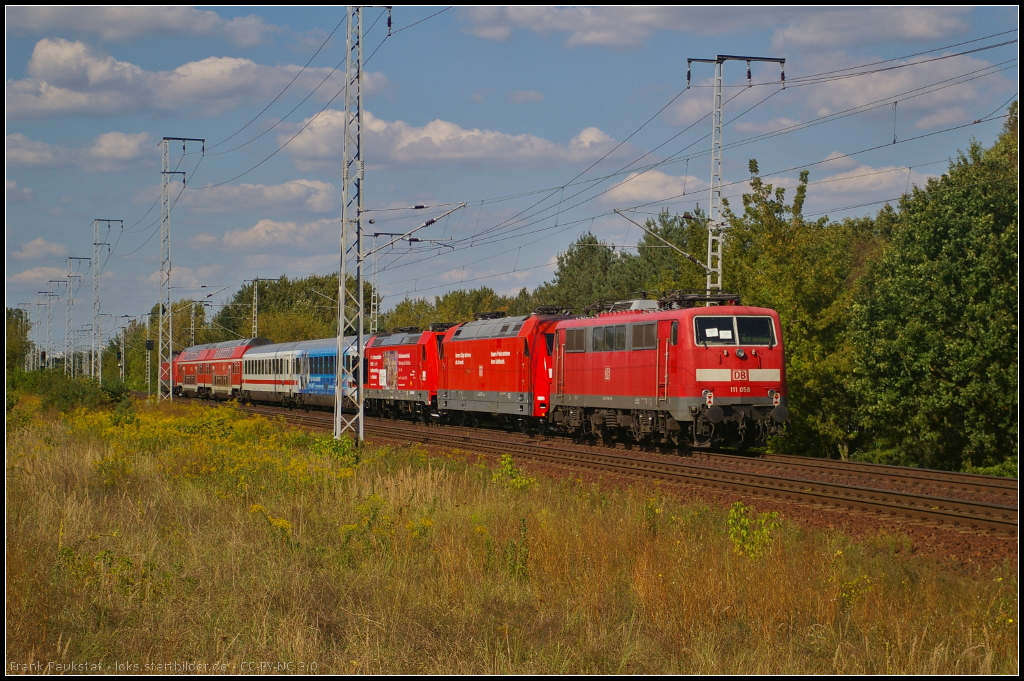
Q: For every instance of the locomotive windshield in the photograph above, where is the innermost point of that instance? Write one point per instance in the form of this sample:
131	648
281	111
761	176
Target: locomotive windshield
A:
722	330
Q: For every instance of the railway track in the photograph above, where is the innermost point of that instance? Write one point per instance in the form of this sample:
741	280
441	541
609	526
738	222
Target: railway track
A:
776	477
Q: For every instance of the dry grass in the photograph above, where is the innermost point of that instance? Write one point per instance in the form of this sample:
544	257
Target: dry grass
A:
202	537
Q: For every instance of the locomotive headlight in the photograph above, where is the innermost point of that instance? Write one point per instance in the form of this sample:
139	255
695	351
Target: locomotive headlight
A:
740	353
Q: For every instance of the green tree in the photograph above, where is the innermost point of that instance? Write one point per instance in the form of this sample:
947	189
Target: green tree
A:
18	344
662	268
290	309
805	270
589	271
935	324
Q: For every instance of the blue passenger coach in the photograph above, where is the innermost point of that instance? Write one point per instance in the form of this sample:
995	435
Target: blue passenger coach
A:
300	374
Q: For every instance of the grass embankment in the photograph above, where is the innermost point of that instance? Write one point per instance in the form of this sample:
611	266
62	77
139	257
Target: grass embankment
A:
155	536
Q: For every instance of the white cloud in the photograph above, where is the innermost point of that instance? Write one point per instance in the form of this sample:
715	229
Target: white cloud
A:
525	96
23	152
614	27
765	126
40	248
110	152
903	85
654	185
943	117
799	27
16	194
74	78
838	161
830	29
39	275
273	234
884	182
313	196
132	23
120	146
181	277
320	144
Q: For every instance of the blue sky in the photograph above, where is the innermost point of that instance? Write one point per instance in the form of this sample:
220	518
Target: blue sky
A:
543	120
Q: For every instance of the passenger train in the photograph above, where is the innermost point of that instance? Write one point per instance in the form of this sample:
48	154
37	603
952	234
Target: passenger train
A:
672	372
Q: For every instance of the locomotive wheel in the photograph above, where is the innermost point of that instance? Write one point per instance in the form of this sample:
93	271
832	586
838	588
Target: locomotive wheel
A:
524	425
460	419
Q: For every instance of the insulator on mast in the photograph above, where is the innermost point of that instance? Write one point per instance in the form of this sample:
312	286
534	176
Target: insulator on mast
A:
748	73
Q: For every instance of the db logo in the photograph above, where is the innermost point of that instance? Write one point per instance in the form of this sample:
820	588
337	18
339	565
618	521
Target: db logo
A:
739	374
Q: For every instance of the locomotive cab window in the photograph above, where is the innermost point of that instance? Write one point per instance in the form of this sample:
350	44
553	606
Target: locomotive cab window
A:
717	330
722	330
755	331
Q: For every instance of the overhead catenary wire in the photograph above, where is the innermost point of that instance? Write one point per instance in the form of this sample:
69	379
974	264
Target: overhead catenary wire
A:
566	226
794	128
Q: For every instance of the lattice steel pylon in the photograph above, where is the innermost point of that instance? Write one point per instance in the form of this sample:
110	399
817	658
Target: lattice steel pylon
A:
716	225
68	343
165	319
350	302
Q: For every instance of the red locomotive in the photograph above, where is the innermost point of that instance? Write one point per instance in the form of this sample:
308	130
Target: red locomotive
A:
498	365
402	371
672	373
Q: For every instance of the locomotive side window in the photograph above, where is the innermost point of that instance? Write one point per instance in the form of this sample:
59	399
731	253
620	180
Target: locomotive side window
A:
575	340
597	344
755	330
620	337
675	333
645	336
609	338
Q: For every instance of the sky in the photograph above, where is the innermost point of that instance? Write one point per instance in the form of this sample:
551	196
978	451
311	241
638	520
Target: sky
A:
541	120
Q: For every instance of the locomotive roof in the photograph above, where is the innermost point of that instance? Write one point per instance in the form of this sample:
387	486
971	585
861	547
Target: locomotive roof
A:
490	328
640	316
396	338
